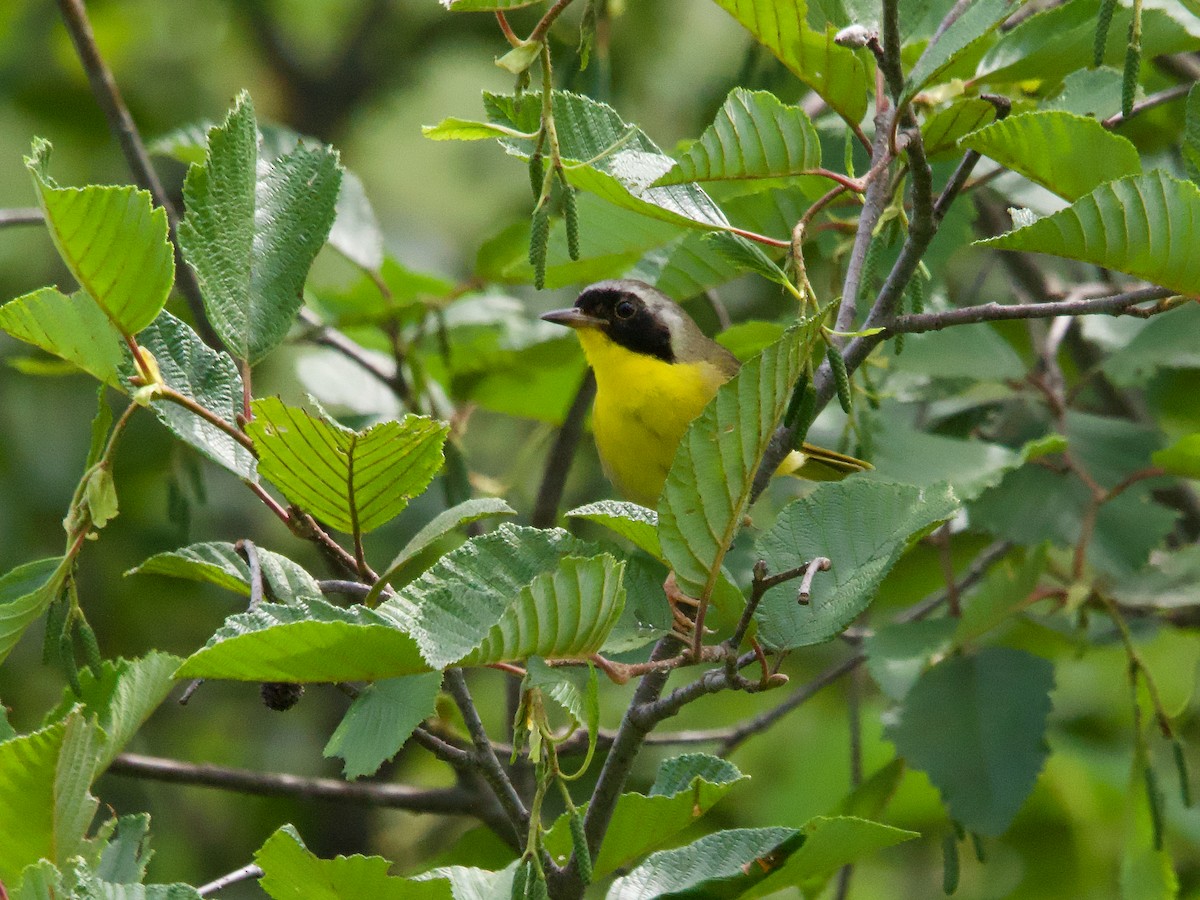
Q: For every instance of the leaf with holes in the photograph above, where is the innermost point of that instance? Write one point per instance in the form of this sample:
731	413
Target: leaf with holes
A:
113	241
863	527
73	328
836	73
252	229
753	136
1068	154
207	376
353	481
709	483
1143	225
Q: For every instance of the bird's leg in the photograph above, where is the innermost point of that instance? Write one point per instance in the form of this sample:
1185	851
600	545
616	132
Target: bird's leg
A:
685	625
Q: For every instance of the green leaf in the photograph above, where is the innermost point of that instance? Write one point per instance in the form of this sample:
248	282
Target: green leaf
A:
976	725
1004	590
381	719
1182	458
609	158
252	229
44	781
1143	225
113	241
1191	134
355	232
898	652
746	256
454	129
834	72
574	688
975	352
567	613
1089	92
291	872
942	130
829	843
455	604
441	525
977	22
25	593
754	135
1068	154
699	513
205	375
1147	871
1168	582
724	858
1169	341
73	328
686	787
863	527
636	524
125	858
307	641
354	481
221	564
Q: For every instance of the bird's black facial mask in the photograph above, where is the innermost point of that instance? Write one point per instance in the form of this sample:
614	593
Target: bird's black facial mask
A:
628	321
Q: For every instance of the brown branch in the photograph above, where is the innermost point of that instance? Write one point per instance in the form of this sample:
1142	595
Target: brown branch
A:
1157	99
561	455
29	215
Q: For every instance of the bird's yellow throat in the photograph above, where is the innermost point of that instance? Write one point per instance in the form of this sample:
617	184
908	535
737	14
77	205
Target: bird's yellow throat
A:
643	407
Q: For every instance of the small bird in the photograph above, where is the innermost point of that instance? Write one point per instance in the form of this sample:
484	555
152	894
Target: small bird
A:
655	372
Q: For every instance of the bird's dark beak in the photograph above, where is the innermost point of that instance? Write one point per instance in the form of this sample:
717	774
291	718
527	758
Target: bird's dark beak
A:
572	318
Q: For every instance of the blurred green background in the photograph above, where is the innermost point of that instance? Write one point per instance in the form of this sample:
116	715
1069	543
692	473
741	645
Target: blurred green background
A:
365	76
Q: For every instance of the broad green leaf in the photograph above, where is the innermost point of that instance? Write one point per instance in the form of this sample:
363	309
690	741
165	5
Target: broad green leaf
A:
355	232
1182	458
1170	341
829	843
863	527
1089	92
754	135
25	593
454	129
976	725
898	652
207	376
291	872
73	328
978	21
708	867
114	242
455	604
1169	581
221	564
121	699
1024	53
381	719
746	256
78	882
975	352
834	72
354	481
1068	154
686	787
125	858
1003	592
252	228
748	339
441	525
1143	225
566	613
44	781
942	130
646	616
635	523
708	487
607	157
307	641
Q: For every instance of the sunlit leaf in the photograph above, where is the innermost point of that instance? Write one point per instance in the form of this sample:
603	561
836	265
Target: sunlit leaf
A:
381	719
73	328
1181	458
1068	154
1143	225
976	725
252	229
942	130
635	523
114	242
354	481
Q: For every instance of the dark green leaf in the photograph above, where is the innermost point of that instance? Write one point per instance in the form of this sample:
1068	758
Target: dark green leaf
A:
354	481
977	22
252	228
25	593
897	653
221	564
1169	581
863	527
381	719
1170	341
976	725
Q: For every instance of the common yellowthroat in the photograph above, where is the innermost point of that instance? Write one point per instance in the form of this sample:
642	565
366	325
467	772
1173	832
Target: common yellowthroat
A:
655	372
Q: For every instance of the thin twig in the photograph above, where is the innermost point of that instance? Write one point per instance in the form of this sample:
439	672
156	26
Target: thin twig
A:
29	215
349	588
1156	99
543	26
1114	304
245	873
561	455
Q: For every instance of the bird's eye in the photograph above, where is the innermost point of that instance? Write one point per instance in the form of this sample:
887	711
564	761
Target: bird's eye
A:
625	309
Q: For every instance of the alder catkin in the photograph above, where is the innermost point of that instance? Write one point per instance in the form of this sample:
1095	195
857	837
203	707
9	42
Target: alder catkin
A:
56	620
797	400
571	216
66	655
840	377
1133	63
537	175
1155	800
91	648
1181	769
949	863
1103	20
539	239
583	859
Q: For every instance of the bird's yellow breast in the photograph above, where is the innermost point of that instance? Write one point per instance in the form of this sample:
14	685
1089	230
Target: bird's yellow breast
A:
643	407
